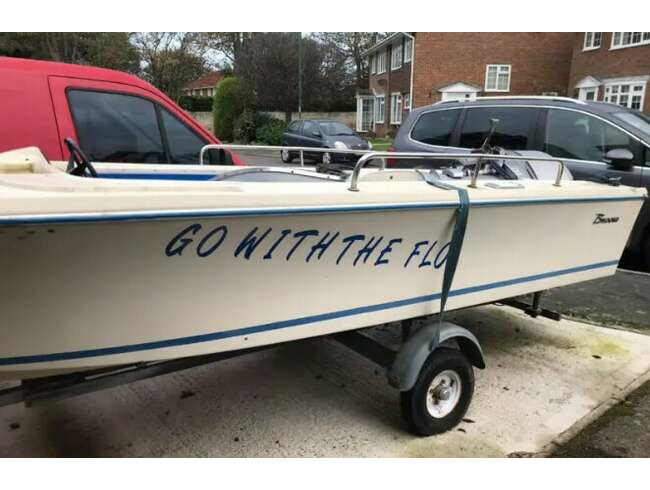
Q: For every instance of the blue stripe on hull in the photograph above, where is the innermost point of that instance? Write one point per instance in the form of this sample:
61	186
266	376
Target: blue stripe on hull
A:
223	213
295	322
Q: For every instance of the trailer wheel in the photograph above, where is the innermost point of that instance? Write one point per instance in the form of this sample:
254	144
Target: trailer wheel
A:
441	394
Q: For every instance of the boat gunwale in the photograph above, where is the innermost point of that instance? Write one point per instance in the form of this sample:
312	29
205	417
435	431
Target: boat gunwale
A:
119	216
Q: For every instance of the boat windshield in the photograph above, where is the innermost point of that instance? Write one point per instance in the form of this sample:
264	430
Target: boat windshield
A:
639	121
335	129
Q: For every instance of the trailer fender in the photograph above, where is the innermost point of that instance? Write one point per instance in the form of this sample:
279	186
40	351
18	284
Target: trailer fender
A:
403	372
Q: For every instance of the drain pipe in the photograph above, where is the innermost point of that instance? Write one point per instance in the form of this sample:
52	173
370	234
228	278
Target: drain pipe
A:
412	38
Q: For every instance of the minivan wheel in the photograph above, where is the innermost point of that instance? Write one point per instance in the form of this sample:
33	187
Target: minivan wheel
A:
326	158
286	156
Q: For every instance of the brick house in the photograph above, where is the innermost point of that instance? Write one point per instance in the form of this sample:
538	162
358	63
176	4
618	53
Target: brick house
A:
415	69
204	86
612	67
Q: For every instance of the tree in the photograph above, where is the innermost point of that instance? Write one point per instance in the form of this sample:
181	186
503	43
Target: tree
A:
268	71
170	60
103	49
228	44
227	107
352	45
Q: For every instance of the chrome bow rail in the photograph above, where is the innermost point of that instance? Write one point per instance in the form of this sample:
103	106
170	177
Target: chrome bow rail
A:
369	155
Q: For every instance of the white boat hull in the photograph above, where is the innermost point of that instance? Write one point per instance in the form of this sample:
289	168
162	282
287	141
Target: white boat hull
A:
83	290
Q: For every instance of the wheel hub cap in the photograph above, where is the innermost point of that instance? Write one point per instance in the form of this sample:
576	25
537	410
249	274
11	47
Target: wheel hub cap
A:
443	394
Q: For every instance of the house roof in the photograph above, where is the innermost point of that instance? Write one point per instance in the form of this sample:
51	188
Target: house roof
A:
385	42
207	81
460	87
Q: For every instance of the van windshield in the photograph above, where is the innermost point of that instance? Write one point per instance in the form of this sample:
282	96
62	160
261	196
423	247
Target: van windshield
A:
639	121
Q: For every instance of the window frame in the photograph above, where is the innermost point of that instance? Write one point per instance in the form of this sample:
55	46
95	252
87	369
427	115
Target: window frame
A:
498	67
394	114
644	40
396	54
589	43
383	109
408	50
608	93
373	64
157	109
381	56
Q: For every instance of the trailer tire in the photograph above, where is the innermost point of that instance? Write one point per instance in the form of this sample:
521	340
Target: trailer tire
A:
441	395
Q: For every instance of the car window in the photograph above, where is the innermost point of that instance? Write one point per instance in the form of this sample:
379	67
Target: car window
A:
511	132
308	128
294	127
335	129
184	144
639	121
116	127
435	128
571	134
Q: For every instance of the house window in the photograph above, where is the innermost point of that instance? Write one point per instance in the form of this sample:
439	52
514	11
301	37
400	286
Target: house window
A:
380	109
628	39
396	108
381	61
396	57
407	102
592	40
630	95
408	50
497	78
373	64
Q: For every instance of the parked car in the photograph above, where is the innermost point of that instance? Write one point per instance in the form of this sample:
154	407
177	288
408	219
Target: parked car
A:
114	116
323	133
596	140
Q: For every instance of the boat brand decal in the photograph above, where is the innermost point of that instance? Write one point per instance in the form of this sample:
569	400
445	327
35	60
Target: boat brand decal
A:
309	245
602	219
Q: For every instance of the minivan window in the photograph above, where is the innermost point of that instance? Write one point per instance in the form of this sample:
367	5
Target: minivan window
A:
572	134
511	133
436	127
116	127
294	126
184	144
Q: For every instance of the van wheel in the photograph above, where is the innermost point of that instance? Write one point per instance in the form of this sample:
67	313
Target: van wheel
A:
441	395
286	156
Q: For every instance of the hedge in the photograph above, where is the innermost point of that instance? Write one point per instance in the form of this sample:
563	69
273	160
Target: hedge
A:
270	133
227	106
195	104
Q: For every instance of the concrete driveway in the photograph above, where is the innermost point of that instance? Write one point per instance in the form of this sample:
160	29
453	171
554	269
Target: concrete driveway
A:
316	398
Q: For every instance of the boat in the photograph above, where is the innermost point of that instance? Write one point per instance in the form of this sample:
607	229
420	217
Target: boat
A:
101	272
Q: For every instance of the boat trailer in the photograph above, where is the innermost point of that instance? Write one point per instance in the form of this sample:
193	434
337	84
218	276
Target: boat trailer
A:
432	369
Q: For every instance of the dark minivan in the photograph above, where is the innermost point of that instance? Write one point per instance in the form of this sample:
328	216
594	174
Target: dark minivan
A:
323	133
596	140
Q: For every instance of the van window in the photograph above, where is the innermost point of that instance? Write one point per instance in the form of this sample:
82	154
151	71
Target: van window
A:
436	127
309	128
184	144
571	134
116	127
511	132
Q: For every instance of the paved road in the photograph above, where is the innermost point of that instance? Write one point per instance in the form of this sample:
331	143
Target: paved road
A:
316	398
622	300
262	157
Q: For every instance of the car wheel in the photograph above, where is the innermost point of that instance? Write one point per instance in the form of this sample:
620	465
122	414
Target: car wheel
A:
286	156
326	158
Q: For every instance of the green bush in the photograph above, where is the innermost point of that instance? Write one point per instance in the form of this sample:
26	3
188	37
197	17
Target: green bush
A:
227	106
270	133
195	104
247	123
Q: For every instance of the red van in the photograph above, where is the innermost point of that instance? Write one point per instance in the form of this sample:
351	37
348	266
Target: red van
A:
115	117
